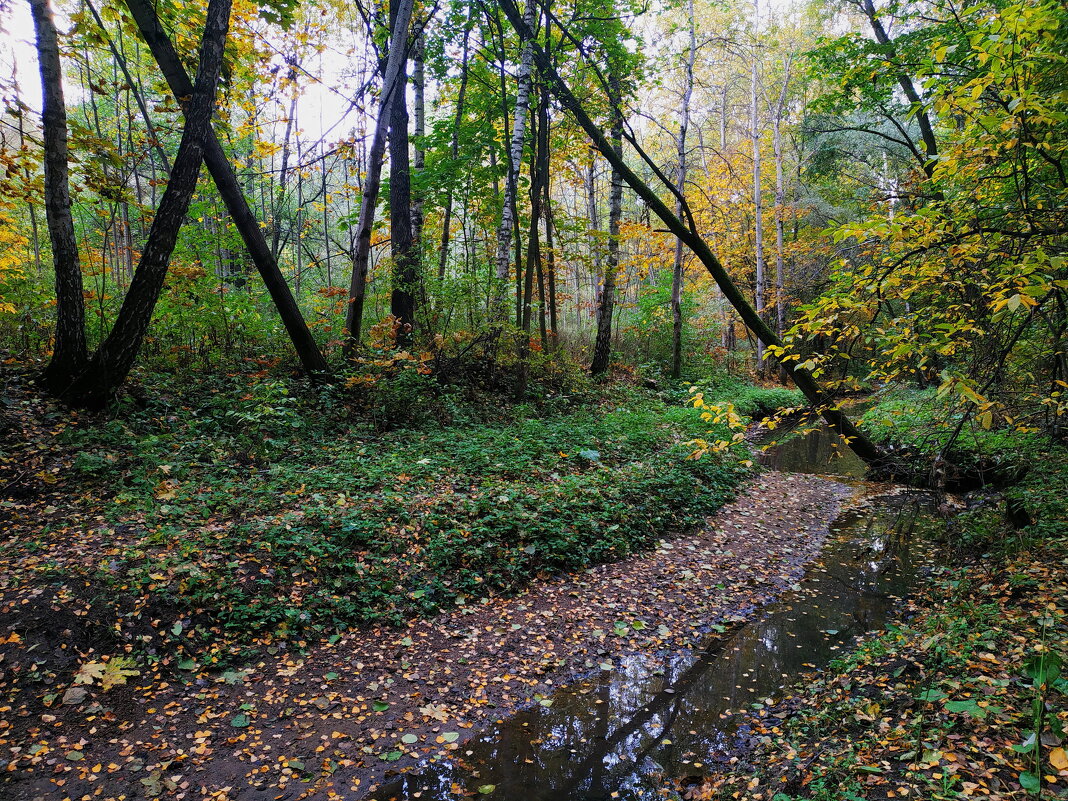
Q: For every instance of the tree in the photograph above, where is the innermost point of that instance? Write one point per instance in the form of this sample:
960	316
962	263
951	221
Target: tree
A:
401	239
602	346
515	160
391	84
677	272
860	443
758	197
223	174
69	352
966	286
111	362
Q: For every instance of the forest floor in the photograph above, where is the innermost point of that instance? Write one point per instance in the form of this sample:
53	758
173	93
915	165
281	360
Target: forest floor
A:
339	716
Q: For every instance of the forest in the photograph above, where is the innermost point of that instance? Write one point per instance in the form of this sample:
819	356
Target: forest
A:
558	400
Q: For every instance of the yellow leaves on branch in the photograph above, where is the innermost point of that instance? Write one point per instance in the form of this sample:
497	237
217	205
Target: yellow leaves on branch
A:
13	247
717	415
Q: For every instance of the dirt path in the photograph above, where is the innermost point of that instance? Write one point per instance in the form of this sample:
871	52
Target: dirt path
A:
333	722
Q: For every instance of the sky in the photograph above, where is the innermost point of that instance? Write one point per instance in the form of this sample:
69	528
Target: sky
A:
323	110
320	108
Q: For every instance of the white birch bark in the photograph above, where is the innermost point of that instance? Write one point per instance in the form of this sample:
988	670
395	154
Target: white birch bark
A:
515	161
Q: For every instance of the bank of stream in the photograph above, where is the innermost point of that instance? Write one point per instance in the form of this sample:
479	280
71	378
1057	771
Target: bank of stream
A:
630	731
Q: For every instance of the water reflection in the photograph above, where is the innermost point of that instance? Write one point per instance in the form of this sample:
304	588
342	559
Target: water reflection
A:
668	715
810	449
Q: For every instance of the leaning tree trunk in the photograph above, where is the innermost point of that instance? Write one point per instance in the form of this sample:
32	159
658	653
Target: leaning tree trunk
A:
223	174
680	187
860	444
69	352
372	183
111	363
602	346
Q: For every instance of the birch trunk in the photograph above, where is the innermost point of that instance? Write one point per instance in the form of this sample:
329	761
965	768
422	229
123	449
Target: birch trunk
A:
515	161
680	186
454	151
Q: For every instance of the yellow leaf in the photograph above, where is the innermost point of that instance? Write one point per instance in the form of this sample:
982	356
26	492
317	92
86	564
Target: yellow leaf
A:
1058	759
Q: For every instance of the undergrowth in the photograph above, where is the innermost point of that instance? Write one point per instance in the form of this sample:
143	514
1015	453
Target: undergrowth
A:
238	510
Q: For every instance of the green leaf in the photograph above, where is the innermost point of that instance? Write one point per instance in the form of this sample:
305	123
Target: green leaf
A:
392	756
969	707
240	721
450	736
486	789
380	706
409	739
1030	782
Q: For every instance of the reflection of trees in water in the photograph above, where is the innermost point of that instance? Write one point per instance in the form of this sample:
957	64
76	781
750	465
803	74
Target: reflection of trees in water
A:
818	451
580	749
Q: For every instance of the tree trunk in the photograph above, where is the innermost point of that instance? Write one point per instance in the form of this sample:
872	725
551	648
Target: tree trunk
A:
419	161
454	152
405	265
111	363
532	259
223	174
278	202
780	201
69	353
758	198
863	446
515	160
373	180
602	347
680	186
593	214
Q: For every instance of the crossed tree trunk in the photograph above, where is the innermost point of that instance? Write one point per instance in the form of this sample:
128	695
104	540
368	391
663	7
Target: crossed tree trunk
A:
110	364
222	173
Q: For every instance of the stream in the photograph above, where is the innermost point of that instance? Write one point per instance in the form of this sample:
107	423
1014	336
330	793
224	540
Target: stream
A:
626	733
